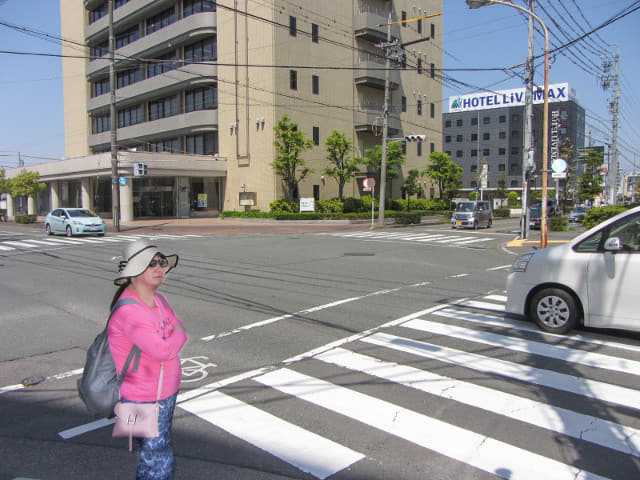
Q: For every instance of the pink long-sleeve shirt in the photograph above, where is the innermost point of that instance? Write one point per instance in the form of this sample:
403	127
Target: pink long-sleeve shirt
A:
153	330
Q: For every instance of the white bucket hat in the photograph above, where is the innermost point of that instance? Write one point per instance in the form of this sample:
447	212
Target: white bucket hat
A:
137	256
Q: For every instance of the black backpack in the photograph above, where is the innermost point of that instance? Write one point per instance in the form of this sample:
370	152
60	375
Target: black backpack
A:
99	387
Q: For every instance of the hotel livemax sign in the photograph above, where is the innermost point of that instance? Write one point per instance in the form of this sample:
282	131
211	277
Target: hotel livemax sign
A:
558	92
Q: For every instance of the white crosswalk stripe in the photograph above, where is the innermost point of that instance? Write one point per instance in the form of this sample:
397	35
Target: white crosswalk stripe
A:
423	237
29	244
569	392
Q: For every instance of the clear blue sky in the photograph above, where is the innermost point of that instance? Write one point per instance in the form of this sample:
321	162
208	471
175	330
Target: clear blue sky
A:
490	37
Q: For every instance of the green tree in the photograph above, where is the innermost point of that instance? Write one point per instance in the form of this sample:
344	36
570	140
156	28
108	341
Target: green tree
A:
373	160
447	174
290	143
590	182
501	191
25	184
343	167
5	184
410	186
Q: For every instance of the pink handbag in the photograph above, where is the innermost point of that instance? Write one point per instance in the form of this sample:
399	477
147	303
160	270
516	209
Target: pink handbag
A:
138	419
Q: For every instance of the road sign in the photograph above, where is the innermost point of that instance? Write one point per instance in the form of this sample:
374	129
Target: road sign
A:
369	183
123	180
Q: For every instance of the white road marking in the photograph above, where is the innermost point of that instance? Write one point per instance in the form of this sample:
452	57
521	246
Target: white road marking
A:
87	427
497	298
20	244
301	448
482	452
502	267
585	427
547	378
6	249
483	305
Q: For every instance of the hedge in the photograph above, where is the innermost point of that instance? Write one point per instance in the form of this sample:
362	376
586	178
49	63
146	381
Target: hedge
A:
502	212
25	218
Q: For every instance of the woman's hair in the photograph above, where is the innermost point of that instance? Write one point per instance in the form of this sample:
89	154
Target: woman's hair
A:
121	289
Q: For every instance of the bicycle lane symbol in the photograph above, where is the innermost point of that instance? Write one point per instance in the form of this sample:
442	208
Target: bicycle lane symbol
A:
194	369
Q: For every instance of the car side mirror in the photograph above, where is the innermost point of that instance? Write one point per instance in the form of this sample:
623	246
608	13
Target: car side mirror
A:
613	244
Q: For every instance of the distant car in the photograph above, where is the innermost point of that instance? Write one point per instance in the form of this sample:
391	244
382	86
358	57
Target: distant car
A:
535	213
74	221
472	214
593	279
577	214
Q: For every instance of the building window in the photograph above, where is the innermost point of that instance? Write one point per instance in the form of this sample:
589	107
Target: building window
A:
474	153
474	137
128	77
161	20
293	80
98	12
474	121
448	152
459	122
315	84
100	123
433	110
433	70
404	148
293	31
502	151
171	145
474	184
515	117
515	133
419	25
163	108
514	184
203	51
130	116
98	51
128	36
474	168
316	135
486	152
162	64
486	136
432	147
120	3
502	119
198	6
204	144
205	98
459	153
459	138
314	33
433	31
447	123
419	65
501	167
447	139
419	107
404	104
100	87
486	120
403	17
502	135
515	150
419	145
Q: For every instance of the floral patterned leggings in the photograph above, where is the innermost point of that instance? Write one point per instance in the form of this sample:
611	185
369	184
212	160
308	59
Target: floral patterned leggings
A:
156	455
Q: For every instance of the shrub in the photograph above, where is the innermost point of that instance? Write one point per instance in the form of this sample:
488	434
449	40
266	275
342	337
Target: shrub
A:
502	212
352	204
405	218
596	216
280	205
558	224
25	218
512	199
330	206
396	204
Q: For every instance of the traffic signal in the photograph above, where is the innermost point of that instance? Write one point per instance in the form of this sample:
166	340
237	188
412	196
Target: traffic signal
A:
415	138
139	169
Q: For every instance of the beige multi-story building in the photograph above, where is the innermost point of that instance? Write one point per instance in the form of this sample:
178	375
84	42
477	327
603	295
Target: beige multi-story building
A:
201	84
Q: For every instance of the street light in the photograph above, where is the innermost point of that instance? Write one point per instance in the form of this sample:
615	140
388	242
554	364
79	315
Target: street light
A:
545	119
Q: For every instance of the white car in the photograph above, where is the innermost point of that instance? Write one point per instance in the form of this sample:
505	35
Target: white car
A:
74	221
591	280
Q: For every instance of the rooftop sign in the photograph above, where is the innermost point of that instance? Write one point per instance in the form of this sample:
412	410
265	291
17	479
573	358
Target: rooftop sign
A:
559	92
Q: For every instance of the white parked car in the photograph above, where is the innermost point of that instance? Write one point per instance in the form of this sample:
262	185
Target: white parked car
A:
74	221
593	279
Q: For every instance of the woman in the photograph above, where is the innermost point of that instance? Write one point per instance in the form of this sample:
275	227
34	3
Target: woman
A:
159	333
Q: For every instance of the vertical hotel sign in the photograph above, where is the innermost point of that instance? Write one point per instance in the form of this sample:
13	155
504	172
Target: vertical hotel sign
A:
554	136
559	92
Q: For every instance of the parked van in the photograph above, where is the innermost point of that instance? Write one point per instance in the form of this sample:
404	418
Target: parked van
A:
472	214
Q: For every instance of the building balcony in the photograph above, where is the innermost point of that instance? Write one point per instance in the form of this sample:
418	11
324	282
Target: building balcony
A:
367	21
129	11
370	72
370	121
173	80
182	124
189	28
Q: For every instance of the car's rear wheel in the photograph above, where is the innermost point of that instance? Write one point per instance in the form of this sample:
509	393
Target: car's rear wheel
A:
47	227
554	310
69	231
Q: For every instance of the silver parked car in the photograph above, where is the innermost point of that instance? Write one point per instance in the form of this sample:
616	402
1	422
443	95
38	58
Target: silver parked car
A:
74	221
472	214
592	279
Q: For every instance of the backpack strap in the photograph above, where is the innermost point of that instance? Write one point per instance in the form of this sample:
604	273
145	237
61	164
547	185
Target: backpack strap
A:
164	300
134	353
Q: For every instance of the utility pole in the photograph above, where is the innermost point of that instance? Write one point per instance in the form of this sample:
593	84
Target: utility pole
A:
527	151
613	170
115	184
385	125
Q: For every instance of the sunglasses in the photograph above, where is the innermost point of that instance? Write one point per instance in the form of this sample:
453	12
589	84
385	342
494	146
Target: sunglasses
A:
163	262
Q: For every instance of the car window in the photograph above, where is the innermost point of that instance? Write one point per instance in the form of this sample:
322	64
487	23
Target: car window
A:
626	229
465	207
81	213
590	244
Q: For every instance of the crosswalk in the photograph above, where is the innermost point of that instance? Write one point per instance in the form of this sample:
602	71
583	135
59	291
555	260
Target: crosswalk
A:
466	385
25	243
432	237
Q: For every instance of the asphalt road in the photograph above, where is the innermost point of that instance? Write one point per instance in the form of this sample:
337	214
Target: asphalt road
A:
339	353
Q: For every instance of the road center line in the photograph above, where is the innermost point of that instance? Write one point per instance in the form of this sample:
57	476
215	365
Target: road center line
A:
318	308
